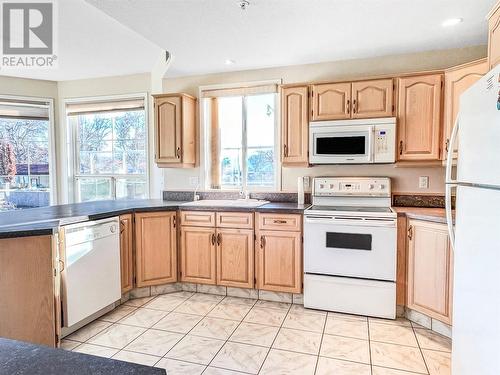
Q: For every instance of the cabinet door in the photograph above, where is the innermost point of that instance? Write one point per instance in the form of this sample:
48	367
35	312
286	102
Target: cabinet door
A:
126	246
156	248
419	122
235	257
168	129
456	81
331	101
294	125
373	98
494	38
279	261
429	269
198	256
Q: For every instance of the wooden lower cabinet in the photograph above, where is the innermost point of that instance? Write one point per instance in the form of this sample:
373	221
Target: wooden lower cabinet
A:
197	255
156	248
126	252
278	261
430	270
235	257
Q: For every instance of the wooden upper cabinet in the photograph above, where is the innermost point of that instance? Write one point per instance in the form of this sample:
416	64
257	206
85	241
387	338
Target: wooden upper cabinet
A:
235	257
494	37
294	125
156	248
457	80
420	117
198	256
126	251
175	127
430	270
331	101
373	98
278	257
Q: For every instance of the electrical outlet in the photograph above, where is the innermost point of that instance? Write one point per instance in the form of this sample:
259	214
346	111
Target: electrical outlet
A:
423	182
194	181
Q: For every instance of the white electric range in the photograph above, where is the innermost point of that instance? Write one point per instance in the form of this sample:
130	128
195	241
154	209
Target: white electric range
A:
350	237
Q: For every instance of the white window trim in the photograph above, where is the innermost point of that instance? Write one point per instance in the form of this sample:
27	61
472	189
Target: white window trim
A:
72	137
204	141
52	140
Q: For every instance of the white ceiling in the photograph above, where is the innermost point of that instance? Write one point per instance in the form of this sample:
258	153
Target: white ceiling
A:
202	34
92	44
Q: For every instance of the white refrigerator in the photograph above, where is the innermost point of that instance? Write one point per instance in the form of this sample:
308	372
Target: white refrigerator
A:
476	234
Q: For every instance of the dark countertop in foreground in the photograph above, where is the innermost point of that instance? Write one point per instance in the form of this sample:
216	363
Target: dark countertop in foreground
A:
21	358
46	220
437	215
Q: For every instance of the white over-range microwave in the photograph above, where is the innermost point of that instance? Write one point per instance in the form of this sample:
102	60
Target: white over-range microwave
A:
364	141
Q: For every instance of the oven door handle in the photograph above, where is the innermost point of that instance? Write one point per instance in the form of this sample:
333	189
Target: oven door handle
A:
365	222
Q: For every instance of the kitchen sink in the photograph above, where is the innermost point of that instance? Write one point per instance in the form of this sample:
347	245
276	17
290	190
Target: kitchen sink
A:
226	203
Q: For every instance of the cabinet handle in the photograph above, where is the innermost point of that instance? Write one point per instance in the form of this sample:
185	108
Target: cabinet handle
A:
262	242
354	106
219	239
410	232
213	238
279	221
400	147
178	153
348	107
447	145
285	150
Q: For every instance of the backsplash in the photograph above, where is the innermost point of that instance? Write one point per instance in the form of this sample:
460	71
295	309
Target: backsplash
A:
415	200
182	195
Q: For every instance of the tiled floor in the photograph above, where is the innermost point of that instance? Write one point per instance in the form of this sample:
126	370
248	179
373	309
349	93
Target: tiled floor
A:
193	333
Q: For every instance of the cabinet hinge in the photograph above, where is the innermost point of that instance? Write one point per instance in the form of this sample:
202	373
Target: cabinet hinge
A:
393	108
255	237
302	239
312	112
175	221
135	280
180	273
442	83
254	280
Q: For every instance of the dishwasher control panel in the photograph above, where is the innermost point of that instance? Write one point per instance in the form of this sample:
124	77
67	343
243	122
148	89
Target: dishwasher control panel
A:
352	186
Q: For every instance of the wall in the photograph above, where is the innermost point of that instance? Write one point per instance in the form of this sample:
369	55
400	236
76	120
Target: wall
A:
405	179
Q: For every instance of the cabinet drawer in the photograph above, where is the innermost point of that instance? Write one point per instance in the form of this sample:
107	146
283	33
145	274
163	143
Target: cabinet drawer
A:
279	222
234	220
198	218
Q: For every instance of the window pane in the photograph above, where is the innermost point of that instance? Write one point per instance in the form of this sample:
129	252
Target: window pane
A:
92	189
24	163
131	188
230	111
260	140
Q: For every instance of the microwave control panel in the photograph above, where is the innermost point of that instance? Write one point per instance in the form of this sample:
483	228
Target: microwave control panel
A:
384	144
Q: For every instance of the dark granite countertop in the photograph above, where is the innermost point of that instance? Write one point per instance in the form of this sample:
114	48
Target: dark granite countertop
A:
21	358
46	220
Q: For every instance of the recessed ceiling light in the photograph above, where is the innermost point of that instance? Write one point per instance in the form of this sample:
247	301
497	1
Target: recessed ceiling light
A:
452	22
229	62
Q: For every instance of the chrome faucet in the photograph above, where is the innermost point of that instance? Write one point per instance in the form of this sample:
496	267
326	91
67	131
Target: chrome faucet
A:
196	197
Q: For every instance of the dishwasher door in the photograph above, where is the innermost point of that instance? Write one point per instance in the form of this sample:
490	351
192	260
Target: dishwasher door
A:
91	276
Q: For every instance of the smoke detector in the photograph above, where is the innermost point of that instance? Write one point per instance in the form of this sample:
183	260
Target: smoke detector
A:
243	4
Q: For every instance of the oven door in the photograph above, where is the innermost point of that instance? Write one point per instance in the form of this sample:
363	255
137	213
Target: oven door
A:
350	246
341	144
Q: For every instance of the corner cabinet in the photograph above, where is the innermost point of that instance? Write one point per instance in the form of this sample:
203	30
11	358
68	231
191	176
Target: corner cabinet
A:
278	252
457	80
156	248
126	252
295	125
175	130
430	270
494	37
419	117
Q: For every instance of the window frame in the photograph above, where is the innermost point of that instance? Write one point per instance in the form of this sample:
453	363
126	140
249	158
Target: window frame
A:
53	168
75	154
205	141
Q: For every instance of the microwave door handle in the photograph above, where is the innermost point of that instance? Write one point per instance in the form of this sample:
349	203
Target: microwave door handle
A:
371	138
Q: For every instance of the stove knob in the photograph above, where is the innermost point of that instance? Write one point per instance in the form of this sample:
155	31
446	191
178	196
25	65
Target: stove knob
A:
381	187
370	186
321	186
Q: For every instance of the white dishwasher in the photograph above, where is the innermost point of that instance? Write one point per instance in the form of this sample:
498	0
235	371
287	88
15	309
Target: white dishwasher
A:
91	275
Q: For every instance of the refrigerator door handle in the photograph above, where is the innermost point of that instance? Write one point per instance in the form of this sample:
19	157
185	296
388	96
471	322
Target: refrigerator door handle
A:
450	183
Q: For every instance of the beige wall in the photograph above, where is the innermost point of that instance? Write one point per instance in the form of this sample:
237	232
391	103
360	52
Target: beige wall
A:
404	179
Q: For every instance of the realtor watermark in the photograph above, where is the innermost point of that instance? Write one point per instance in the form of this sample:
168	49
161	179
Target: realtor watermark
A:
28	34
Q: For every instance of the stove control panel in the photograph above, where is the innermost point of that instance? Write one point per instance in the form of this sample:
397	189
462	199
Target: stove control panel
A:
355	186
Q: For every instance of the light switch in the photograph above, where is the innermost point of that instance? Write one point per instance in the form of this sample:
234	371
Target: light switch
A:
423	182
